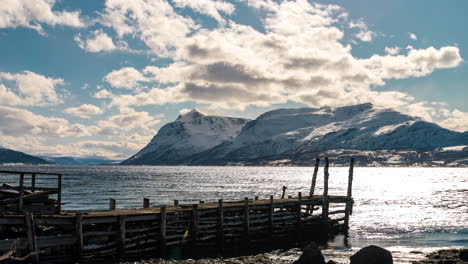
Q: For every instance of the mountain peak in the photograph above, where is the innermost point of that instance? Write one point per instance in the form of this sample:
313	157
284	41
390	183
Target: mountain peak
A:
192	114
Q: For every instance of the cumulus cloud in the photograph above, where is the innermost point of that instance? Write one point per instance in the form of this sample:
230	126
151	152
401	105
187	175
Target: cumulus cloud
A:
28	88
20	122
457	121
32	14
102	94
84	111
98	42
127	78
129	118
412	36
392	50
364	33
208	7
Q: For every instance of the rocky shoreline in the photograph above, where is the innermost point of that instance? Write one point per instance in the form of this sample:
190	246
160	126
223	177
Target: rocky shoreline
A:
446	256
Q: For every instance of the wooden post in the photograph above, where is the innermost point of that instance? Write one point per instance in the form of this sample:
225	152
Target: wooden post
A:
195	219
256	198
202	202
30	235
284	192
112	204
314	177
247	222
349	202
59	193
299	217
176	202
21	190
289	196
163	231
79	236
325	192
271	211
33	182
146	203
220	227
122	235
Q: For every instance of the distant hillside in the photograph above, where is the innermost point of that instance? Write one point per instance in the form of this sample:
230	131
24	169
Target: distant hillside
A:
374	135
11	156
79	161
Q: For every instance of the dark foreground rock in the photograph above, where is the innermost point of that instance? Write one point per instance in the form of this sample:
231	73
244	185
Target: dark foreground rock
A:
311	255
448	256
372	255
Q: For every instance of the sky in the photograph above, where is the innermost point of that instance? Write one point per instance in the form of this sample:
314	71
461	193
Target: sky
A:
99	78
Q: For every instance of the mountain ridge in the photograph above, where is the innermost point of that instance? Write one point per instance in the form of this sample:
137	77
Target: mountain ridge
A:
288	132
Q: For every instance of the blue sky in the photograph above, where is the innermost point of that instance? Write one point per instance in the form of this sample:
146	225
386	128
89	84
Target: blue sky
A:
99	78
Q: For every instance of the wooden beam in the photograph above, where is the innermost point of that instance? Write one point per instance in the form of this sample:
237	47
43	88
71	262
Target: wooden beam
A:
271	211
284	192
122	223
314	177
30	235
195	220
325	191
299	217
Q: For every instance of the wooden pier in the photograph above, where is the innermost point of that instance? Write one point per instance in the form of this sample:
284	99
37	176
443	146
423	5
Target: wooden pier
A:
222	228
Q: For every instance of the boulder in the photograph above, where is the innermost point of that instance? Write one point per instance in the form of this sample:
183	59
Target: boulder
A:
464	254
372	255
311	255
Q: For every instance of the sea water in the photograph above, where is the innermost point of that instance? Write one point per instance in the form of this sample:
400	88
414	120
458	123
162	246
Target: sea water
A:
402	209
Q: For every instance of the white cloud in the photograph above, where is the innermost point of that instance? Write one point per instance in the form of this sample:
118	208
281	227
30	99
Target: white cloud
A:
364	33
392	50
208	7
457	121
129	119
84	111
28	88
412	36
127	78
20	122
102	94
98	42
32	14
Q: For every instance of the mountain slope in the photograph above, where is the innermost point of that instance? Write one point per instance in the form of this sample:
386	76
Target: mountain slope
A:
11	156
190	134
294	132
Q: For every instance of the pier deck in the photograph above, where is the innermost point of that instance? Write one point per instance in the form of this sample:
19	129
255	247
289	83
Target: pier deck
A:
222	228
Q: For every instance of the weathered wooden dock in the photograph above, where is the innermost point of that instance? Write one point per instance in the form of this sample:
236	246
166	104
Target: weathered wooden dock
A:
222	228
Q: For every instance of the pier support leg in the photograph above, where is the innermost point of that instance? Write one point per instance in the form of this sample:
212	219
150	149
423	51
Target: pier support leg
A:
79	236
220	236
325	192
349	202
163	231
310	209
247	222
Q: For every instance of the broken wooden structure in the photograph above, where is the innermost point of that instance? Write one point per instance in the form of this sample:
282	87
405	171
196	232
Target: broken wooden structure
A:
223	228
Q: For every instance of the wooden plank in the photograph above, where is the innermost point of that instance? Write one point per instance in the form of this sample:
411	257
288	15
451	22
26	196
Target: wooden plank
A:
163	231
349	203
220	236
30	235
79	236
26	172
325	203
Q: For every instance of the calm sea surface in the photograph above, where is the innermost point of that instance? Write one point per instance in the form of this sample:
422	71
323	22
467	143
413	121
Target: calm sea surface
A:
402	209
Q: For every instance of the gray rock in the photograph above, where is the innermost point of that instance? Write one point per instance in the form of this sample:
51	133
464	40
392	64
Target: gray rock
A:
311	255
372	255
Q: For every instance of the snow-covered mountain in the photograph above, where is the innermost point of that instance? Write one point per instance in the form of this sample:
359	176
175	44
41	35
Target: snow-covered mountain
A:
8	156
190	134
289	135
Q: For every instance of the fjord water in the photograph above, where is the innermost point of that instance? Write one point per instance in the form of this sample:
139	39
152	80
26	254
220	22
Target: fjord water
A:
402	209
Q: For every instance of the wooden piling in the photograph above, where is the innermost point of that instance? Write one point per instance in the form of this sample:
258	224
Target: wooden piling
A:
176	202
79	236
220	236
59	193
247	221
30	235
314	177
122	223
146	203
33	182
349	202
112	204
163	231
271	211
21	190
195	220
299	217
284	192
325	191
